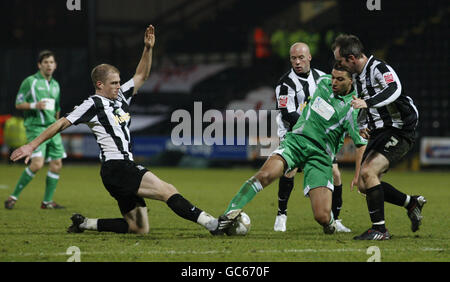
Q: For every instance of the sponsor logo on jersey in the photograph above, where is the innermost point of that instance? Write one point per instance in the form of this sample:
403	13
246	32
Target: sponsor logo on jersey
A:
122	118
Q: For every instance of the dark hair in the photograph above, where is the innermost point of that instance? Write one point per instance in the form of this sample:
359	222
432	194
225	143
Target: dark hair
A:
100	72
348	45
45	54
339	67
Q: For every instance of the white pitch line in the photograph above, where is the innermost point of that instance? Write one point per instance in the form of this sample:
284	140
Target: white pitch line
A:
175	252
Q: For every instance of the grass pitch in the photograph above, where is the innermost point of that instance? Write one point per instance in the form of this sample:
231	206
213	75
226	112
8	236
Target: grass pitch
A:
28	233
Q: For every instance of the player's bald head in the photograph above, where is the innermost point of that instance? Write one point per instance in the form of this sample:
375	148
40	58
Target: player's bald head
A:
300	57
300	47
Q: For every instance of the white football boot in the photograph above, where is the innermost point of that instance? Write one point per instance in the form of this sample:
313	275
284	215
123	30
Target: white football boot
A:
280	223
340	227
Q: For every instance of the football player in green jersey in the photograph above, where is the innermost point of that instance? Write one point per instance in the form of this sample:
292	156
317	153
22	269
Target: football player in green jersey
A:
39	99
311	146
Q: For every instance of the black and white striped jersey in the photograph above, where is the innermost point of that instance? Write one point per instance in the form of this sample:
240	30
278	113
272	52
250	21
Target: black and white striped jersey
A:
388	106
292	93
109	120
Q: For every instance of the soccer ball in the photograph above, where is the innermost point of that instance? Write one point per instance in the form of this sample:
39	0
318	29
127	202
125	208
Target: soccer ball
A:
241	226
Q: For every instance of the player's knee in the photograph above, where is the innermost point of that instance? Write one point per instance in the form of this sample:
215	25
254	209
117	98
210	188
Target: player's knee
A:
168	191
143	230
360	184
133	228
365	175
362	189
36	165
263	177
172	189
56	166
136	227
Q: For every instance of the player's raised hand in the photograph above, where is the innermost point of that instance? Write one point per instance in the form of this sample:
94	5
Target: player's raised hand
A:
149	37
24	151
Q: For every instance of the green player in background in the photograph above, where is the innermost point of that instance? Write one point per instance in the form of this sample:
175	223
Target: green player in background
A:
39	99
311	146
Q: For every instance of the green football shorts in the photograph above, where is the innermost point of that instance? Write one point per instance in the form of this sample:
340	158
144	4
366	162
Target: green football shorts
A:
299	152
52	149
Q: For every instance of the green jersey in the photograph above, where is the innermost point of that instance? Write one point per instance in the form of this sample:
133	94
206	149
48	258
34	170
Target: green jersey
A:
36	88
327	117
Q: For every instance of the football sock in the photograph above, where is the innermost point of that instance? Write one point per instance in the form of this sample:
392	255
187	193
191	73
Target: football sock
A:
183	208
332	218
90	224
245	194
51	182
408	202
116	225
25	178
285	186
393	196
375	204
328	227
336	203
208	221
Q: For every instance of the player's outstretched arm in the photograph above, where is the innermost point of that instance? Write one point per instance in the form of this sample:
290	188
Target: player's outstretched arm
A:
26	150
145	64
31	106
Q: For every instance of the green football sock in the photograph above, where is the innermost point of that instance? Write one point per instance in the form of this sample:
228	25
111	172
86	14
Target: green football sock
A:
51	182
245	194
25	178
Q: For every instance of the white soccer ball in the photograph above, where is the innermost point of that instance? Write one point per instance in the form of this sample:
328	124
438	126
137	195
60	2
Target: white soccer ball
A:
241	226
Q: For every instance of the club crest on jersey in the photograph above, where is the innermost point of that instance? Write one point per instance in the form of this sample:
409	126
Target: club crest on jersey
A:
282	101
388	77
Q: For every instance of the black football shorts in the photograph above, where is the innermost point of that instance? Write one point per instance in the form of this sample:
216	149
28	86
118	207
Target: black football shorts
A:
122	179
391	143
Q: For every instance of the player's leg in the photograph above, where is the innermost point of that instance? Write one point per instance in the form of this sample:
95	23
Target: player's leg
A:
51	183
36	163
137	220
395	147
272	169
371	170
336	203
318	186
388	147
412	204
134	220
337	192
129	183
55	153
284	159
154	188
285	186
321	198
